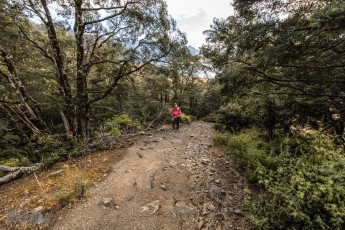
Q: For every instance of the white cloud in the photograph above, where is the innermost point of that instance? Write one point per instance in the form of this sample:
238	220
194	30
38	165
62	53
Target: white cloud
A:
196	16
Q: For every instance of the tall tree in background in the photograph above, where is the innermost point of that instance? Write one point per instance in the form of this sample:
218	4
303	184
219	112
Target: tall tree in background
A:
121	36
289	52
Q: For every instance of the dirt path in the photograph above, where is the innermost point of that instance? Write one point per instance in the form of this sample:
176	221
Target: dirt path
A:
168	180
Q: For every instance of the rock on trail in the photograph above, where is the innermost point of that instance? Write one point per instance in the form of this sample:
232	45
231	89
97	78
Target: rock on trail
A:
167	180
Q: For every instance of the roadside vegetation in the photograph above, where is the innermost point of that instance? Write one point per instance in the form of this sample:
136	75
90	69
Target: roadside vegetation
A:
281	70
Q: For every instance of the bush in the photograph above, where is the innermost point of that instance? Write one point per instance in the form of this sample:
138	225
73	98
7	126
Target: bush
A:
48	149
212	117
116	127
238	114
186	119
302	179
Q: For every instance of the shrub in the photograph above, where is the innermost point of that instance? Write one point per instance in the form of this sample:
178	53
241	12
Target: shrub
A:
239	113
186	118
116	127
212	117
302	177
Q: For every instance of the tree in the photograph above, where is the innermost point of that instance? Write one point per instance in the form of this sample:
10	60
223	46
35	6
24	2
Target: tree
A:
122	36
16	101
285	51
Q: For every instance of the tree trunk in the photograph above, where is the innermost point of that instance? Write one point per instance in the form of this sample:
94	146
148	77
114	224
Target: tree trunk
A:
69	132
59	62
15	171
82	101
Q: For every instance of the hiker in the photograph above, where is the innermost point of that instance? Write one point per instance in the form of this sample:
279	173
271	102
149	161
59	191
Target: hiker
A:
175	116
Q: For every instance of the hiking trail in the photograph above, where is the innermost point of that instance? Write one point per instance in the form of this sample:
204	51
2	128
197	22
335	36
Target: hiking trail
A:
167	180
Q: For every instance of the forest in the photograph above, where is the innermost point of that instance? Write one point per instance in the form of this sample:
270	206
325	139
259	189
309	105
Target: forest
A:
78	76
77	80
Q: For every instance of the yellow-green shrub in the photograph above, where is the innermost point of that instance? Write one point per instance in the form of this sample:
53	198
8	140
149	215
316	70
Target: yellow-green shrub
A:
302	179
186	119
120	125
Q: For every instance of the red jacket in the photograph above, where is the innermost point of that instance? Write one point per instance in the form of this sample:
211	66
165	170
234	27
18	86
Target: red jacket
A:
175	112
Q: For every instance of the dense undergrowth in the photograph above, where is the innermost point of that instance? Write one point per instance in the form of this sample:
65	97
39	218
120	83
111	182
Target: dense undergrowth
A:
300	178
50	149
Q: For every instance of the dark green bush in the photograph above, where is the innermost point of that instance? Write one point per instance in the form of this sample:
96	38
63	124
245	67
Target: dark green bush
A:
212	117
48	149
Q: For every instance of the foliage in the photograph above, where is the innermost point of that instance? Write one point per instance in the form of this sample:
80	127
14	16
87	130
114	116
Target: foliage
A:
212	117
75	61
288	51
238	114
186	118
302	178
45	148
119	125
69	82
48	149
77	183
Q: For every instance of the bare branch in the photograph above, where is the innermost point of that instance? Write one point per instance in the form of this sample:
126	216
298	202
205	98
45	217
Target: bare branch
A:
106	61
107	8
124	8
122	74
36	11
111	35
154	120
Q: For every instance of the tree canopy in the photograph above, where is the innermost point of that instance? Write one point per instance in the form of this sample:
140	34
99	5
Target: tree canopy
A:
291	52
81	41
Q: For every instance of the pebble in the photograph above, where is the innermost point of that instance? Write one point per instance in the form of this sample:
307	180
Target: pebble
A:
184	206
238	212
38	209
154	205
106	201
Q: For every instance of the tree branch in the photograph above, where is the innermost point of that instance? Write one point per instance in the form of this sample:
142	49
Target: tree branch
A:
9	102
272	79
44	52
15	171
110	16
300	94
34	9
106	8
313	67
121	74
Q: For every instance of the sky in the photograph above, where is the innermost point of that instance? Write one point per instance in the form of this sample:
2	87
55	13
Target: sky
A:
196	16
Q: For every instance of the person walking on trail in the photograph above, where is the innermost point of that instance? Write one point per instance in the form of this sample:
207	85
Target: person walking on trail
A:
175	116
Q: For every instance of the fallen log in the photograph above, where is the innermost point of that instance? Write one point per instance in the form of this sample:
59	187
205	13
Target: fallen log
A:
15	171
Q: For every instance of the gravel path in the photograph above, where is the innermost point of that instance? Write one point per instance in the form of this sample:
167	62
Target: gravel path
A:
167	180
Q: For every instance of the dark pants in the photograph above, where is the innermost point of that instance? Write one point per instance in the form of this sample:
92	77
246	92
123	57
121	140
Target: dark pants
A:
176	123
